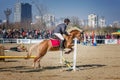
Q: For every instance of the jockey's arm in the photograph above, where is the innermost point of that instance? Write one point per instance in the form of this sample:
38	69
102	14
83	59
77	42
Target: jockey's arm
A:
64	30
66	33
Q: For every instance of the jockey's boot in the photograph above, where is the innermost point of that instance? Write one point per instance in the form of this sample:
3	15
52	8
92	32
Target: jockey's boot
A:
62	46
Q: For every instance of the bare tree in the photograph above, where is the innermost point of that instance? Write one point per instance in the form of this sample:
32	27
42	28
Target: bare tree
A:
75	21
42	10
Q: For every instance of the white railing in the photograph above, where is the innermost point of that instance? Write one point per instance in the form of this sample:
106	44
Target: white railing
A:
8	40
18	41
104	41
88	41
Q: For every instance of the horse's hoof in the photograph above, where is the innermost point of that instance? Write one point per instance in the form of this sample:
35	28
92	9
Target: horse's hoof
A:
66	52
41	67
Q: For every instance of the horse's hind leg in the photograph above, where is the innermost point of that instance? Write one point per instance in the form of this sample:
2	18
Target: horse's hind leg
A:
42	50
34	62
38	58
38	62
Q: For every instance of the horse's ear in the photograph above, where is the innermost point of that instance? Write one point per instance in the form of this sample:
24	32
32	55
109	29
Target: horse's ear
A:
82	32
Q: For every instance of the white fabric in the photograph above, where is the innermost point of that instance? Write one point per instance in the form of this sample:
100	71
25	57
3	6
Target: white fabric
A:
59	36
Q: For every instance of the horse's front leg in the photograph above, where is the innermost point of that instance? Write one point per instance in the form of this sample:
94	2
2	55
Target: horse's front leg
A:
71	49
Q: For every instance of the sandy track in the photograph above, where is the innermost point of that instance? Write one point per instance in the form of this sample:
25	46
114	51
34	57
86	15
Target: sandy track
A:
95	63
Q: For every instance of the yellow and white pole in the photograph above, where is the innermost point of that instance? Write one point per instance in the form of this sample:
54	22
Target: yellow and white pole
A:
15	57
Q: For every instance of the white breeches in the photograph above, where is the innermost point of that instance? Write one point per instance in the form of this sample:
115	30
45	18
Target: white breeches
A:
59	36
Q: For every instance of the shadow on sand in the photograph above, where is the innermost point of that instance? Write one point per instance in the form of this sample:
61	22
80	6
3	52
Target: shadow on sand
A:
89	66
25	69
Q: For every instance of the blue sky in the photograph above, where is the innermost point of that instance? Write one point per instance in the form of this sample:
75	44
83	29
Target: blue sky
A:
110	9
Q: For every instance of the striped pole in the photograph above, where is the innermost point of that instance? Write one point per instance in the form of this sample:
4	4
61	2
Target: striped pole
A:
15	57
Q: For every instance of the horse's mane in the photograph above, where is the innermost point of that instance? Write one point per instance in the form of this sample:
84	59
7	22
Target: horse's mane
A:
74	29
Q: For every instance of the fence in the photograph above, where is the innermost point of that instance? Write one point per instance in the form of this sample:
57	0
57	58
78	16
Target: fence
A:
8	40
29	41
104	41
18	41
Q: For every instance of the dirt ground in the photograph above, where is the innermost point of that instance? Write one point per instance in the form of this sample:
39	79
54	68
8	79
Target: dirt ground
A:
100	62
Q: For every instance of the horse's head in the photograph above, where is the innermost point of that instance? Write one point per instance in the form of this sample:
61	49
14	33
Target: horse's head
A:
77	34
73	34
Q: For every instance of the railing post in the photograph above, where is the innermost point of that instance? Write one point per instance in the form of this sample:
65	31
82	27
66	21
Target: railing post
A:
75	54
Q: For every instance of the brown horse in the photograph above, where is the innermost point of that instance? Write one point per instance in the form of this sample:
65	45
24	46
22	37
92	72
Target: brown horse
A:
46	45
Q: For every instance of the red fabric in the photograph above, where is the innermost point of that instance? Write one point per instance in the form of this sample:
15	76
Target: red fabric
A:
55	42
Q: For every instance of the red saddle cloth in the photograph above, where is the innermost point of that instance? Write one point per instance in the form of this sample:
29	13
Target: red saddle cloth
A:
55	42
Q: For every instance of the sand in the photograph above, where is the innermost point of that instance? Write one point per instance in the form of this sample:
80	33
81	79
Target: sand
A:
100	62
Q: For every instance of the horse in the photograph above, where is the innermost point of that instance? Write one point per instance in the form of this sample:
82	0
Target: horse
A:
45	46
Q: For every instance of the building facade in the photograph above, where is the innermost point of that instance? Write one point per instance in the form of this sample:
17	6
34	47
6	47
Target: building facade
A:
49	20
23	13
93	20
102	22
0	21
83	23
116	24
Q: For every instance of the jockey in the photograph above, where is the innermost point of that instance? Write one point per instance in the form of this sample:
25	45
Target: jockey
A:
19	48
60	30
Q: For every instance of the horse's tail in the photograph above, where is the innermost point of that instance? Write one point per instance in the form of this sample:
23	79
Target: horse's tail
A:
31	49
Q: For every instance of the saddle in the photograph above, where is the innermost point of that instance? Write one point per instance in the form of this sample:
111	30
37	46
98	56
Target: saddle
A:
55	42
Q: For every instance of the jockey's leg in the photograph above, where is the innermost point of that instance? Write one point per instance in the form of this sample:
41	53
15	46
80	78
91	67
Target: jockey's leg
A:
62	46
59	36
